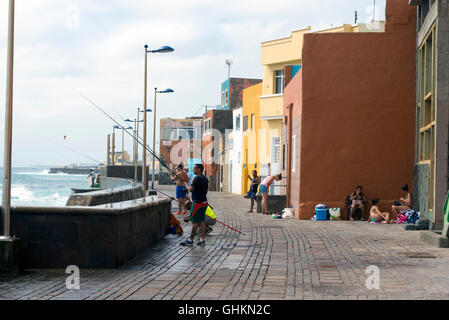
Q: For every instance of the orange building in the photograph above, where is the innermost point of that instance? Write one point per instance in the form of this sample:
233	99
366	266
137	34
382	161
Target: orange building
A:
349	115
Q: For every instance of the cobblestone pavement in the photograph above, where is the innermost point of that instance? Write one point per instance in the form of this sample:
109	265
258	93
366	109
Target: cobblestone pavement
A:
276	259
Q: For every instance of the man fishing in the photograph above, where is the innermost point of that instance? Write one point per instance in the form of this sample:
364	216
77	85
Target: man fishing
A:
198	188
181	192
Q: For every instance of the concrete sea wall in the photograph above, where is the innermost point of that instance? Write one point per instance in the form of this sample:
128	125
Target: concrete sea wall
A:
104	236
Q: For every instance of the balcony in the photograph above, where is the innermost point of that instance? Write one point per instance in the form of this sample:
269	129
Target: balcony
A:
272	107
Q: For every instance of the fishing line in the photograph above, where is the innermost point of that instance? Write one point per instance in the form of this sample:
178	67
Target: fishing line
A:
151	152
73	150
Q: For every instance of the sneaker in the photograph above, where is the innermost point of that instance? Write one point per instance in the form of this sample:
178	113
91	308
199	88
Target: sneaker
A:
209	230
201	242
187	242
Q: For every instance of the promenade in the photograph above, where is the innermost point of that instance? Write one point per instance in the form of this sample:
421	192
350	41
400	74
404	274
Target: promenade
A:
276	259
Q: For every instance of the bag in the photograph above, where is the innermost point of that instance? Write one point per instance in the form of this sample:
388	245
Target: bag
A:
335	213
287	214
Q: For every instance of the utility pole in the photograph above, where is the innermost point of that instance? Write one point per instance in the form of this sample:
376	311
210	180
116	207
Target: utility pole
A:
108	158
229	64
7	156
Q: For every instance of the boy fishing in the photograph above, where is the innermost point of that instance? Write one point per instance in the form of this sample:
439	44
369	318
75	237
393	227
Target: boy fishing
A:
181	191
198	188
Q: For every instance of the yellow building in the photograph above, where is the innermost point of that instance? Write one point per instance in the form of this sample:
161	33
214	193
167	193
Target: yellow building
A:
276	54
251	129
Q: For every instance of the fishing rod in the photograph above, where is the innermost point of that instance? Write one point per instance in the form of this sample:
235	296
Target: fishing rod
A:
151	152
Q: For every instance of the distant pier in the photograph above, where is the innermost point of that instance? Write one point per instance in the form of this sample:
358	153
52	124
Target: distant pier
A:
73	170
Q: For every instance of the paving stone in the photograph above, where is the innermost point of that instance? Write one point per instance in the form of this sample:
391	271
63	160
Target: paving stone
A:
276	259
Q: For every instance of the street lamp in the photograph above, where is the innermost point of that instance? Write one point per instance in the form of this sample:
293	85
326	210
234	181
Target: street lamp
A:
113	143
154	130
6	201
123	142
136	139
163	49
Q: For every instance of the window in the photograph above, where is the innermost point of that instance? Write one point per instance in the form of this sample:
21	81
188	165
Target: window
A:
177	133
275	149
294	154
426	108
279	82
252	122
237	122
222	99
226	98
207	127
245	123
283	156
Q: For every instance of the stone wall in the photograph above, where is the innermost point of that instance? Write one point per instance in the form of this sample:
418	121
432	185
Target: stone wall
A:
112	195
91	237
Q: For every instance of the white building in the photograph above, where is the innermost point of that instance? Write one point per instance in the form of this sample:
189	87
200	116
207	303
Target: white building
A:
235	159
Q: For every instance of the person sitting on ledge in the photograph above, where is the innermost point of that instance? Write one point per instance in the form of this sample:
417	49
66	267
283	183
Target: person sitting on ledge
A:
404	203
358	202
376	216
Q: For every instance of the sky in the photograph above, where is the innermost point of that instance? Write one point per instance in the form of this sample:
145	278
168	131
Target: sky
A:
93	47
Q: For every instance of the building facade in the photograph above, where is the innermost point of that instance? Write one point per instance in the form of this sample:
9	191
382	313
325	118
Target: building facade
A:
276	54
232	92
432	110
235	153
251	125
349	116
180	140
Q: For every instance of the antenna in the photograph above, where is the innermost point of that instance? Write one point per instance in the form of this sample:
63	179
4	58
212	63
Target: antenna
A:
356	17
228	62
374	11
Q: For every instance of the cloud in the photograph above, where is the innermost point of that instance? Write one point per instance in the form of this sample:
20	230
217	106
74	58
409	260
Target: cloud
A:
96	47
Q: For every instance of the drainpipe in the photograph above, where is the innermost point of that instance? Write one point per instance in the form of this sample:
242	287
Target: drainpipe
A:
289	154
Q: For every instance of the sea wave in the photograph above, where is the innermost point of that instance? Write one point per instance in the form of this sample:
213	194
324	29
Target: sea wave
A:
42	173
22	196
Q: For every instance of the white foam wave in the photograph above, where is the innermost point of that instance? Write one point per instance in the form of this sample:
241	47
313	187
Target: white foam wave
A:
42	173
22	194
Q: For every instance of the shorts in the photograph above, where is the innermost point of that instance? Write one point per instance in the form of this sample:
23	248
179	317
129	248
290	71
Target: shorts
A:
181	192
263	189
198	212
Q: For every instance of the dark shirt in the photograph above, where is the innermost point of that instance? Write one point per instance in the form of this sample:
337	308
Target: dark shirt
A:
200	185
254	184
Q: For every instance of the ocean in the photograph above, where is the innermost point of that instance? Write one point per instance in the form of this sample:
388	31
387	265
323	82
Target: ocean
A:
36	187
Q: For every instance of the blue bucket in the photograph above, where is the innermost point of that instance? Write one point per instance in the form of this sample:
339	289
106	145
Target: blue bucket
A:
322	212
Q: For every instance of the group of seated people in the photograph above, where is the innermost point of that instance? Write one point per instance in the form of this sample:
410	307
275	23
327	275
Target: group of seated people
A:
357	201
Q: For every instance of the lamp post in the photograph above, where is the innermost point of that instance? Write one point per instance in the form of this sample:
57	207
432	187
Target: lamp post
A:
144	150
164	49
136	139
123	143
6	201
154	130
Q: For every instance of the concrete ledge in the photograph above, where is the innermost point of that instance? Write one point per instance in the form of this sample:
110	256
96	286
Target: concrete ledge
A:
9	255
104	236
120	190
435	239
275	203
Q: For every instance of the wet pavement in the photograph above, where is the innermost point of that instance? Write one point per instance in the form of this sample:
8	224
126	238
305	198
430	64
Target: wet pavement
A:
275	259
